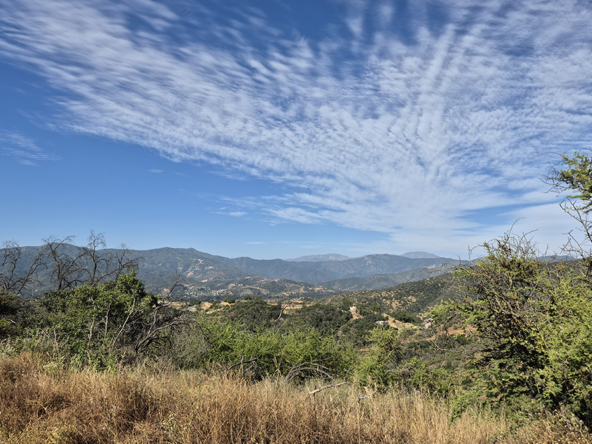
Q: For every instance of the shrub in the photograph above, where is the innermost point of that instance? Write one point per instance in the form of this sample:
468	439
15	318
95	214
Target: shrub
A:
275	352
255	314
532	318
405	316
100	324
324	318
374	366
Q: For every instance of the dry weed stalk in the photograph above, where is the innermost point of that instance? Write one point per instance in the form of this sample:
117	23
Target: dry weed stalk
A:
45	404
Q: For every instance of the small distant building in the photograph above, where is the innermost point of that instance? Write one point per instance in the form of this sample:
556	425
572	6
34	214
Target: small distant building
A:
382	322
427	323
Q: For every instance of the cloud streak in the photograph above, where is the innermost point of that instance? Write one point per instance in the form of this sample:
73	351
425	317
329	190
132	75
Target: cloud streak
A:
403	134
23	149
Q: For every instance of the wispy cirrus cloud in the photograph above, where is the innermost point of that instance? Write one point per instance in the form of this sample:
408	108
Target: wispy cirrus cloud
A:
23	149
396	120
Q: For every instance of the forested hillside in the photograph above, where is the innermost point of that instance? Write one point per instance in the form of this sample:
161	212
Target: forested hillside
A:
383	281
415	297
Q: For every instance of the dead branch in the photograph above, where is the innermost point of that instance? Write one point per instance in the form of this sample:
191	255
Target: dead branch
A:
314	392
242	362
367	396
179	282
281	313
12	279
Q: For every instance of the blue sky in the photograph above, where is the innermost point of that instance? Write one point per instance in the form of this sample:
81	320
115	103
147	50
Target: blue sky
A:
283	128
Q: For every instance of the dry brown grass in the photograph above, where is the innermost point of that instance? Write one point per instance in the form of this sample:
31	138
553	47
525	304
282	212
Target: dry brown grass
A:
43	404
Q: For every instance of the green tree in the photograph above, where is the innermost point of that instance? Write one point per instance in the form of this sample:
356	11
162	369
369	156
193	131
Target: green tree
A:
533	316
324	318
110	320
405	316
254	314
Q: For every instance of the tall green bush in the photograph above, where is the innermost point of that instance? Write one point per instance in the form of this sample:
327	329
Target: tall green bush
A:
374	368
533	316
273	351
103	323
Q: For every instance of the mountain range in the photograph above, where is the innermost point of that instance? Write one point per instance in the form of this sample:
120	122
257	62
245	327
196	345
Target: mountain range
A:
209	275
201	265
341	257
320	258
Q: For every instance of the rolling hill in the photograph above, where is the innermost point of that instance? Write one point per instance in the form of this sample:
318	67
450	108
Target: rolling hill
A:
381	281
415	297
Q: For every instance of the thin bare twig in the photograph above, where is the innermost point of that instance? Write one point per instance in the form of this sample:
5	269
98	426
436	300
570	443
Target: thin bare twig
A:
242	362
314	392
368	396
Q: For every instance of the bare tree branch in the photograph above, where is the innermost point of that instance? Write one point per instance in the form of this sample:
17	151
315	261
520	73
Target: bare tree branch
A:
242	362
19	271
90	264
314	392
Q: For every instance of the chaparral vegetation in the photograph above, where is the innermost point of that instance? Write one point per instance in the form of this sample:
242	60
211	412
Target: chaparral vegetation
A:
498	351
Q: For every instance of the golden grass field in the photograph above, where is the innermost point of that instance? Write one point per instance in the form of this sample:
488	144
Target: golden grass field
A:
43	403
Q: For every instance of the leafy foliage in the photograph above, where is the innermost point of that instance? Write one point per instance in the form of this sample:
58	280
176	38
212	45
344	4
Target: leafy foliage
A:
374	366
405	316
108	321
253	314
357	331
271	351
532	316
574	175
8	309
324	318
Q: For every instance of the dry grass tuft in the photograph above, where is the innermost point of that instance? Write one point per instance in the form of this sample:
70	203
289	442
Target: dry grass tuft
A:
42	404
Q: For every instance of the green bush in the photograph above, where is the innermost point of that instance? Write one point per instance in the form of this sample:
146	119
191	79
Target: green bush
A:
8	312
357	331
275	352
374	366
533	319
405	316
254	314
326	319
100	324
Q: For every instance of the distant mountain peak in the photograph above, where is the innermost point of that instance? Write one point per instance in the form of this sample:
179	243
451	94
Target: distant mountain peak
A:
320	258
420	255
